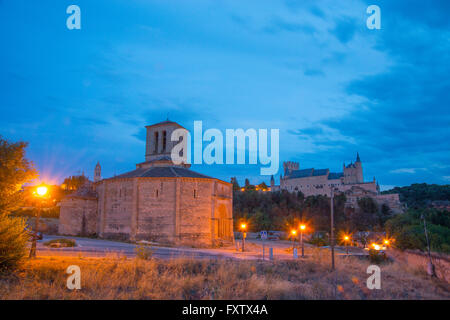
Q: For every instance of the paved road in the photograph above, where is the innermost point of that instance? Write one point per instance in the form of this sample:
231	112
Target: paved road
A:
101	248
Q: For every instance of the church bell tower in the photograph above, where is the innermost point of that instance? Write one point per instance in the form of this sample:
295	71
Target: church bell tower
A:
98	172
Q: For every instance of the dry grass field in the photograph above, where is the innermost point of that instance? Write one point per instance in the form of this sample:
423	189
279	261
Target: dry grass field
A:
117	277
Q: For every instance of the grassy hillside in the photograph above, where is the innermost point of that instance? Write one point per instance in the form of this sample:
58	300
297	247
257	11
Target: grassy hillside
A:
121	278
419	195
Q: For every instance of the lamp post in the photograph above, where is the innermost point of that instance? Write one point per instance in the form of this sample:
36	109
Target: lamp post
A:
244	234
40	192
302	228
346	240
332	229
293	233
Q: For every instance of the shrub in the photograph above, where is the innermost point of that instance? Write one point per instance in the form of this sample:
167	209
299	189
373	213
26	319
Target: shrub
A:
377	256
408	230
143	252
320	242
13	241
52	212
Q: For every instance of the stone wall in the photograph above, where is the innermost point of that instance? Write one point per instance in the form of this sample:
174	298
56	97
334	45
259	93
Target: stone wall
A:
78	217
189	211
155	214
392	200
116	200
309	186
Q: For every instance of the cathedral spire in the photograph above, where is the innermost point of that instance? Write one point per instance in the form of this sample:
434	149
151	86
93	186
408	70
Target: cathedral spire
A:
357	157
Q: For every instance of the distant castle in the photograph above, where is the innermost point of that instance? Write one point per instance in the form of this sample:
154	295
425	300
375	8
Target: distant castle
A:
313	182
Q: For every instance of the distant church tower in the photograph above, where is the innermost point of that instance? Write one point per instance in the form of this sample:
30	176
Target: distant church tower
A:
98	172
272	182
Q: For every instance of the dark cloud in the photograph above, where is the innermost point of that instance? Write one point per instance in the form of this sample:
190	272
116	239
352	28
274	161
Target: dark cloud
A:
433	14
404	120
345	29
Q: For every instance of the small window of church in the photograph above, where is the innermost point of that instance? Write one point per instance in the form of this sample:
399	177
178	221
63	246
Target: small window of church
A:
156	142
164	140
157	193
195	193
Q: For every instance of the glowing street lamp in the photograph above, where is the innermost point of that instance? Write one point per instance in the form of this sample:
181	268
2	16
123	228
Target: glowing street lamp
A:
40	192
346	240
302	228
244	235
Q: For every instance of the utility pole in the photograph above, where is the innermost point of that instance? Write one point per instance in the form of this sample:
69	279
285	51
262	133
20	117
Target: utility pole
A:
40	193
431	270
332	230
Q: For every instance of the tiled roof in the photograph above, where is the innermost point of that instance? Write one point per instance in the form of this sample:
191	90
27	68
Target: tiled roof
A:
301	173
320	172
164	123
314	173
335	175
161	172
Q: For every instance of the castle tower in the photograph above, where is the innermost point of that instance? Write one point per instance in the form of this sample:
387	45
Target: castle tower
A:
272	182
358	171
353	172
98	172
290	166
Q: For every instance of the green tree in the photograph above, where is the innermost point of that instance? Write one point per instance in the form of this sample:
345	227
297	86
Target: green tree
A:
13	240
408	232
15	170
263	186
235	184
419	195
74	182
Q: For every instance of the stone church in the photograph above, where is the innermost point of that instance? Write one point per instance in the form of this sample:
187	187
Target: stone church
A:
158	201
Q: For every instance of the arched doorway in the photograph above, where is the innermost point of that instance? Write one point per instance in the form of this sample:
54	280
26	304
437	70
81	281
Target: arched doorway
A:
223	228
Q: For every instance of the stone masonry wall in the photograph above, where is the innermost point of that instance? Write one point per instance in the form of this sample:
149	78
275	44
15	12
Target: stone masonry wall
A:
155	217
117	197
71	221
195	211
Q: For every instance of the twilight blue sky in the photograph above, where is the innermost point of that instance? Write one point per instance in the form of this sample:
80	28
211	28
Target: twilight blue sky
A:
310	68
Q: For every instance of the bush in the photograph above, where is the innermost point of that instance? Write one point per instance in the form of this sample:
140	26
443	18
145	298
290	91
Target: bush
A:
409	233
13	242
143	252
377	256
58	243
52	212
320	242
